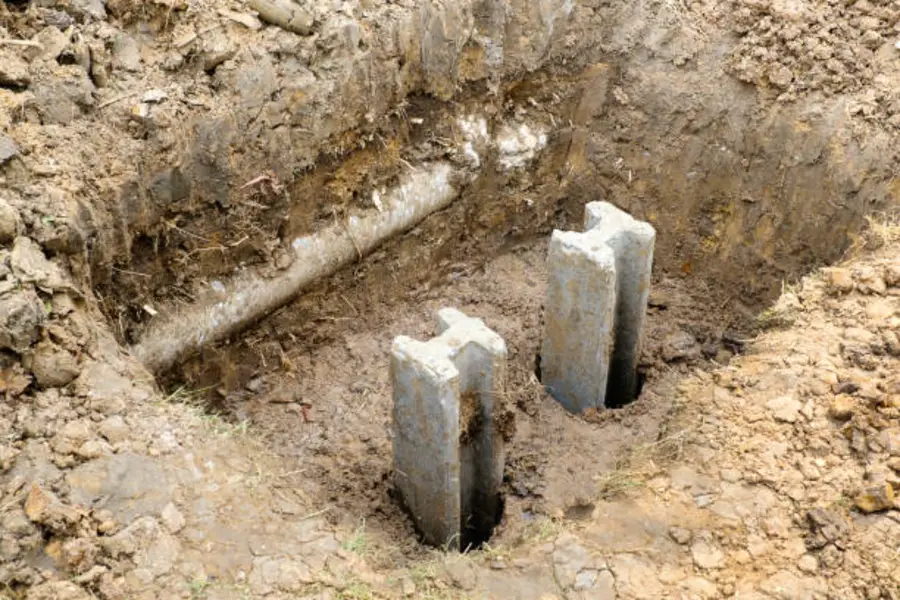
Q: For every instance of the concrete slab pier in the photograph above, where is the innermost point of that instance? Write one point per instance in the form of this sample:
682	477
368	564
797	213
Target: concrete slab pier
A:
448	451
596	304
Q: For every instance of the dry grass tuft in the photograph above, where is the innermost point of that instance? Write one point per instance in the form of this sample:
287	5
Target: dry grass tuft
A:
643	462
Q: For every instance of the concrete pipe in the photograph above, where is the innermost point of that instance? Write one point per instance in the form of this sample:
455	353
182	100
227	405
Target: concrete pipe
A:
251	297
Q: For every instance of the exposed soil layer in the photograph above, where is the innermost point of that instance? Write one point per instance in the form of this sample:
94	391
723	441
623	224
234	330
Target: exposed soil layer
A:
151	150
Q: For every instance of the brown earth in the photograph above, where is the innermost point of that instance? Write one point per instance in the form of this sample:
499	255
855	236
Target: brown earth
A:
148	150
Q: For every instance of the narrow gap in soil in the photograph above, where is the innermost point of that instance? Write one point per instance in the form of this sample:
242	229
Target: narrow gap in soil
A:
614	399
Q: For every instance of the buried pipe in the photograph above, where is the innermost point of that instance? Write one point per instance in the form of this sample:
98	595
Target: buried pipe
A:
251	297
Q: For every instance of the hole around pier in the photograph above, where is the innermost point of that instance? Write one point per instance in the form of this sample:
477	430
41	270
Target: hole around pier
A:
478	528
482	508
613	399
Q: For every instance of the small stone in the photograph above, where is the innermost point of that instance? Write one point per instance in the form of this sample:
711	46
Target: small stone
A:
838	280
462	573
785	585
90	449
52	366
784	409
44	508
247	20
706	554
108	527
114	429
287	15
51	43
876	498
10	224
8	149
680	346
842	407
781	77
808	563
21	315
172	518
126	53
58	19
703	500
892	274
680	535
154	96
17	523
137	536
870	281
82	9
29	264
13	70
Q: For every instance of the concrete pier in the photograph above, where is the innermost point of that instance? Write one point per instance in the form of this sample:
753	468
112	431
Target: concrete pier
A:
448	453
596	304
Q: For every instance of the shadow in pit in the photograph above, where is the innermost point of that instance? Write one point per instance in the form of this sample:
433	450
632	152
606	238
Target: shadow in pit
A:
614	397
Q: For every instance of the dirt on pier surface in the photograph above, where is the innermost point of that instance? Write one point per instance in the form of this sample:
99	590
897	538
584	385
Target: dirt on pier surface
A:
150	151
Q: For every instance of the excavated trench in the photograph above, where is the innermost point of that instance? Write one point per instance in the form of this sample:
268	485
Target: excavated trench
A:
745	196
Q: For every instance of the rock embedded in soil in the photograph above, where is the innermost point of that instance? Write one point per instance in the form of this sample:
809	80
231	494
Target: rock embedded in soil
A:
52	366
85	10
839	280
63	99
680	535
680	346
288	15
8	150
13	70
876	499
842	407
784	408
44	508
114	429
126	53
10	223
21	315
707	554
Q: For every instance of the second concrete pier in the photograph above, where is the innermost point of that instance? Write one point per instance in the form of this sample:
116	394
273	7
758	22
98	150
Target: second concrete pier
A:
594	315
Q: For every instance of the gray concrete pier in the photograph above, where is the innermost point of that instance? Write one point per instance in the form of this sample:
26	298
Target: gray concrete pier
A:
597	294
448	452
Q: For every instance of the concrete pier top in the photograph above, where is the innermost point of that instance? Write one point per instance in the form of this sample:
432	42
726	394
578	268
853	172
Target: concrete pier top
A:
456	329
608	220
591	245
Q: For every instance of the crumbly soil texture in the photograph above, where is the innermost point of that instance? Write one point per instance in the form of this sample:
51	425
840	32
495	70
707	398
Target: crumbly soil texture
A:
152	152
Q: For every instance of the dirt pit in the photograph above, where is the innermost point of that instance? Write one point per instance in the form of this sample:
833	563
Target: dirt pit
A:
152	157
